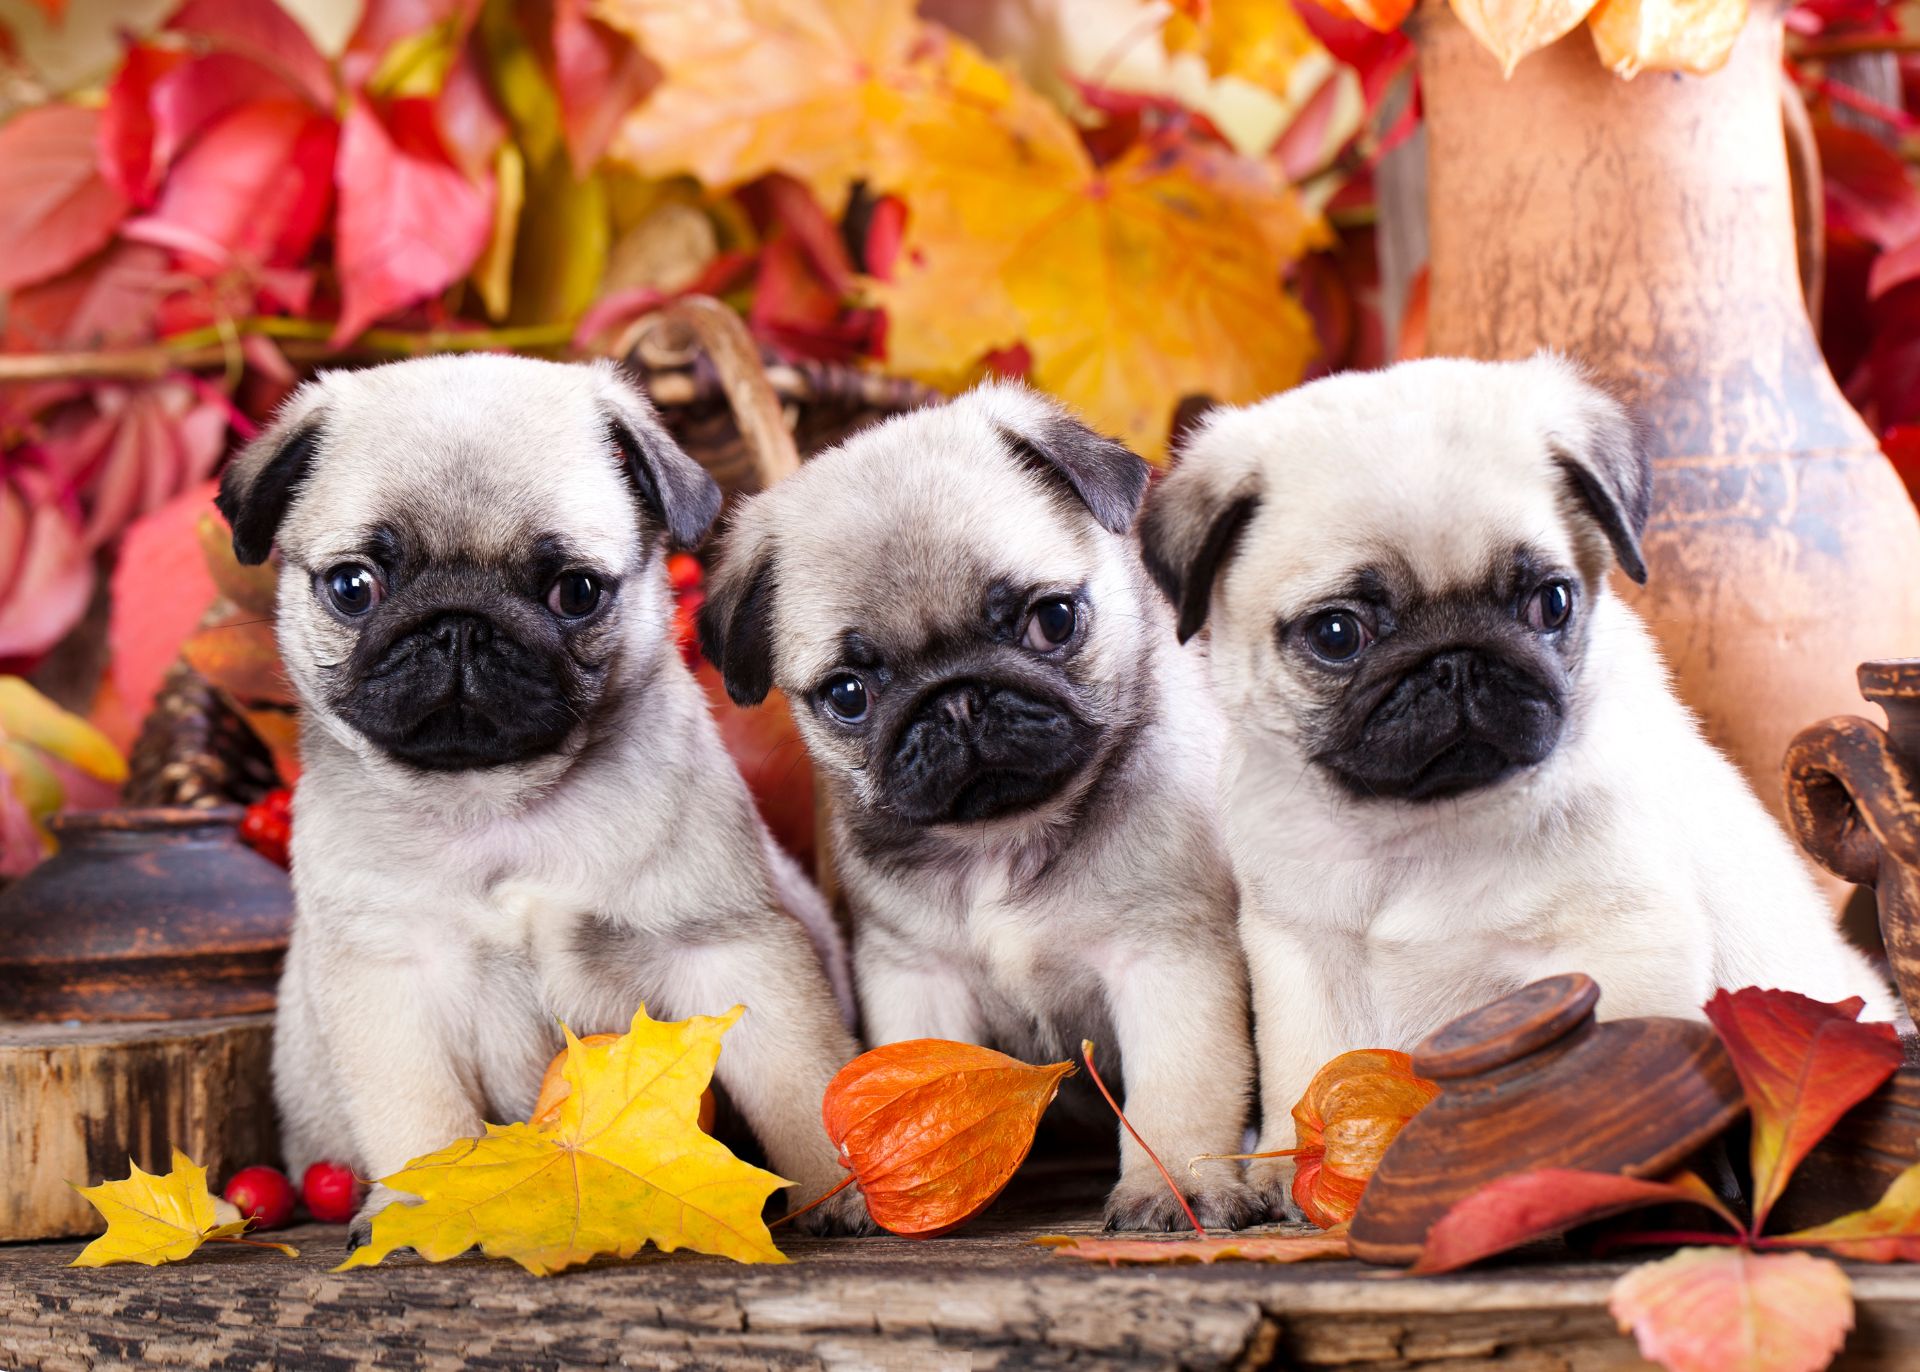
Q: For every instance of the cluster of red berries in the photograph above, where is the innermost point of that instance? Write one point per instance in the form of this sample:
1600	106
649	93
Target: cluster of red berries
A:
267	827
265	1195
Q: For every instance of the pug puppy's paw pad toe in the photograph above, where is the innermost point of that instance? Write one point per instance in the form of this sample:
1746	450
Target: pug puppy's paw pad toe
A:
843	1216
1231	1205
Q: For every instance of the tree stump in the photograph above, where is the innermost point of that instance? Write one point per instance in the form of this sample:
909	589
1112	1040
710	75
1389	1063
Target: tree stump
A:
77	1101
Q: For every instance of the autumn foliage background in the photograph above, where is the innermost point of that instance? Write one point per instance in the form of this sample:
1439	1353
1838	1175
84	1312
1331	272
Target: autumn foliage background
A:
1128	202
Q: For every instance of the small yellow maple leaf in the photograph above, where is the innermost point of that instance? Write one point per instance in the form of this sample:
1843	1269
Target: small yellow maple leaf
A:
153	1219
1260	41
625	1164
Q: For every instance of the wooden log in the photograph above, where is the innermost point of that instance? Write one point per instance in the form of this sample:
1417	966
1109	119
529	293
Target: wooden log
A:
77	1101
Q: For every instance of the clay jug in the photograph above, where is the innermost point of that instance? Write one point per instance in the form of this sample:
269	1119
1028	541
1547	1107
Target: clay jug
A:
1645	226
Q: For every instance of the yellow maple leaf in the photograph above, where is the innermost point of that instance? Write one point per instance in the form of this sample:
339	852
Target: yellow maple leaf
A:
809	87
153	1219
1260	41
624	1164
1132	284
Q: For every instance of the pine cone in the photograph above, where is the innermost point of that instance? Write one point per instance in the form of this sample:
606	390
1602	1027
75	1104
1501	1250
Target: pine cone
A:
195	751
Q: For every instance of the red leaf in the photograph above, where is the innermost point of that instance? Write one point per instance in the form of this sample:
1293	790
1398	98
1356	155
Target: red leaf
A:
385	22
1536	1205
55	206
261	30
1887	1231
193	96
1894	267
46	574
1867	188
1803	1064
135	449
127	131
253	189
886	227
110	298
470	126
410	224
1728	1310
1902	446
599	74
160	589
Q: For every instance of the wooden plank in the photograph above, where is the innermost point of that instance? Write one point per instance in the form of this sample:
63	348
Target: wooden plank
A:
982	1298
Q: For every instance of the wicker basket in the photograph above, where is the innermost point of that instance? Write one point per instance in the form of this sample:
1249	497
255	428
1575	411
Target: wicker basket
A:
746	418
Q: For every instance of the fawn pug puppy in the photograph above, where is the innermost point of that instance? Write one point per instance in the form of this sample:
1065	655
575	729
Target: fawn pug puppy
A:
1022	761
1455	761
514	807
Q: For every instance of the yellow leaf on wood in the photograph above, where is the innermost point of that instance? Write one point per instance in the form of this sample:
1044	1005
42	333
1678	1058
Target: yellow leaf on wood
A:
1728	1310
153	1219
1667	35
1510	29
624	1164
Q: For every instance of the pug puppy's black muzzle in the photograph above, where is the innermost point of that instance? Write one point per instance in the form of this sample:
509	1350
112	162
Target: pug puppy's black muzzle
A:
1456	721
453	689
976	749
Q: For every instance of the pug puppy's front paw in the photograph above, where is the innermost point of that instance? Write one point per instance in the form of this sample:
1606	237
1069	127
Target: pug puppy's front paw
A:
1224	1202
360	1228
1272	1181
845	1214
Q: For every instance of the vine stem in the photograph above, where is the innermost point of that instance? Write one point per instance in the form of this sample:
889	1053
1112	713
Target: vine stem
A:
818	1200
303	340
1086	1052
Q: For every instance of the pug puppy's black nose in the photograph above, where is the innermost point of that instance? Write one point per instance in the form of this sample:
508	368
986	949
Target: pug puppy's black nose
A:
963	705
461	634
1452	671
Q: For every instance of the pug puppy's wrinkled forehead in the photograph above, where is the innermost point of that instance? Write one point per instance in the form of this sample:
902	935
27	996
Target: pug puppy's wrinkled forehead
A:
915	531
462	458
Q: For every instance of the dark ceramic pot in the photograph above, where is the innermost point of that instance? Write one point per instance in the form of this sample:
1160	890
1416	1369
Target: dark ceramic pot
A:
144	915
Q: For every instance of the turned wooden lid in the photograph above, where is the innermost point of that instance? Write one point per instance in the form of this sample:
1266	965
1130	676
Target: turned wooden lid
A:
1532	1080
144	914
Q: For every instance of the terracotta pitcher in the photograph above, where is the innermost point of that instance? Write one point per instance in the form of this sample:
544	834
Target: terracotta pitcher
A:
1646	227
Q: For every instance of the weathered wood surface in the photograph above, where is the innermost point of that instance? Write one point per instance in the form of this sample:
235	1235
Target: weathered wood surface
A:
983	1298
76	1101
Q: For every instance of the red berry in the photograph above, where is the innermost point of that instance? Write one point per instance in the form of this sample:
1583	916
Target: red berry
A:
684	572
268	825
263	1194
331	1191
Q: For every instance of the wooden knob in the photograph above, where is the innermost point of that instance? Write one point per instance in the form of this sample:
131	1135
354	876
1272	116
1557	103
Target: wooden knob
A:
1508	1029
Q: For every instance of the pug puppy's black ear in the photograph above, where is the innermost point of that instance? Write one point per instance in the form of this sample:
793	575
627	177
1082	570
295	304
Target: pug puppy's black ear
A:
736	618
1189	532
259	485
1101	473
673	489
1601	451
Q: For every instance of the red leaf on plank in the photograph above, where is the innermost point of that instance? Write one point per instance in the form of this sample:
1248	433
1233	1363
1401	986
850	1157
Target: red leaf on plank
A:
410	224
127	131
160	589
1728	1310
1803	1064
261	30
599	74
55	206
1887	1231
1536	1205
1237	1247
253	189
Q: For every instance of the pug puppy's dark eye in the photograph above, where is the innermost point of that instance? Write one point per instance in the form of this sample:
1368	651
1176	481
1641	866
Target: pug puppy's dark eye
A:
574	595
1049	625
351	588
846	696
1337	635
1549	607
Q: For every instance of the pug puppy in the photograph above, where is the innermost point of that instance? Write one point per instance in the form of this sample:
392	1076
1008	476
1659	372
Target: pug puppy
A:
1021	760
514	808
1456	764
